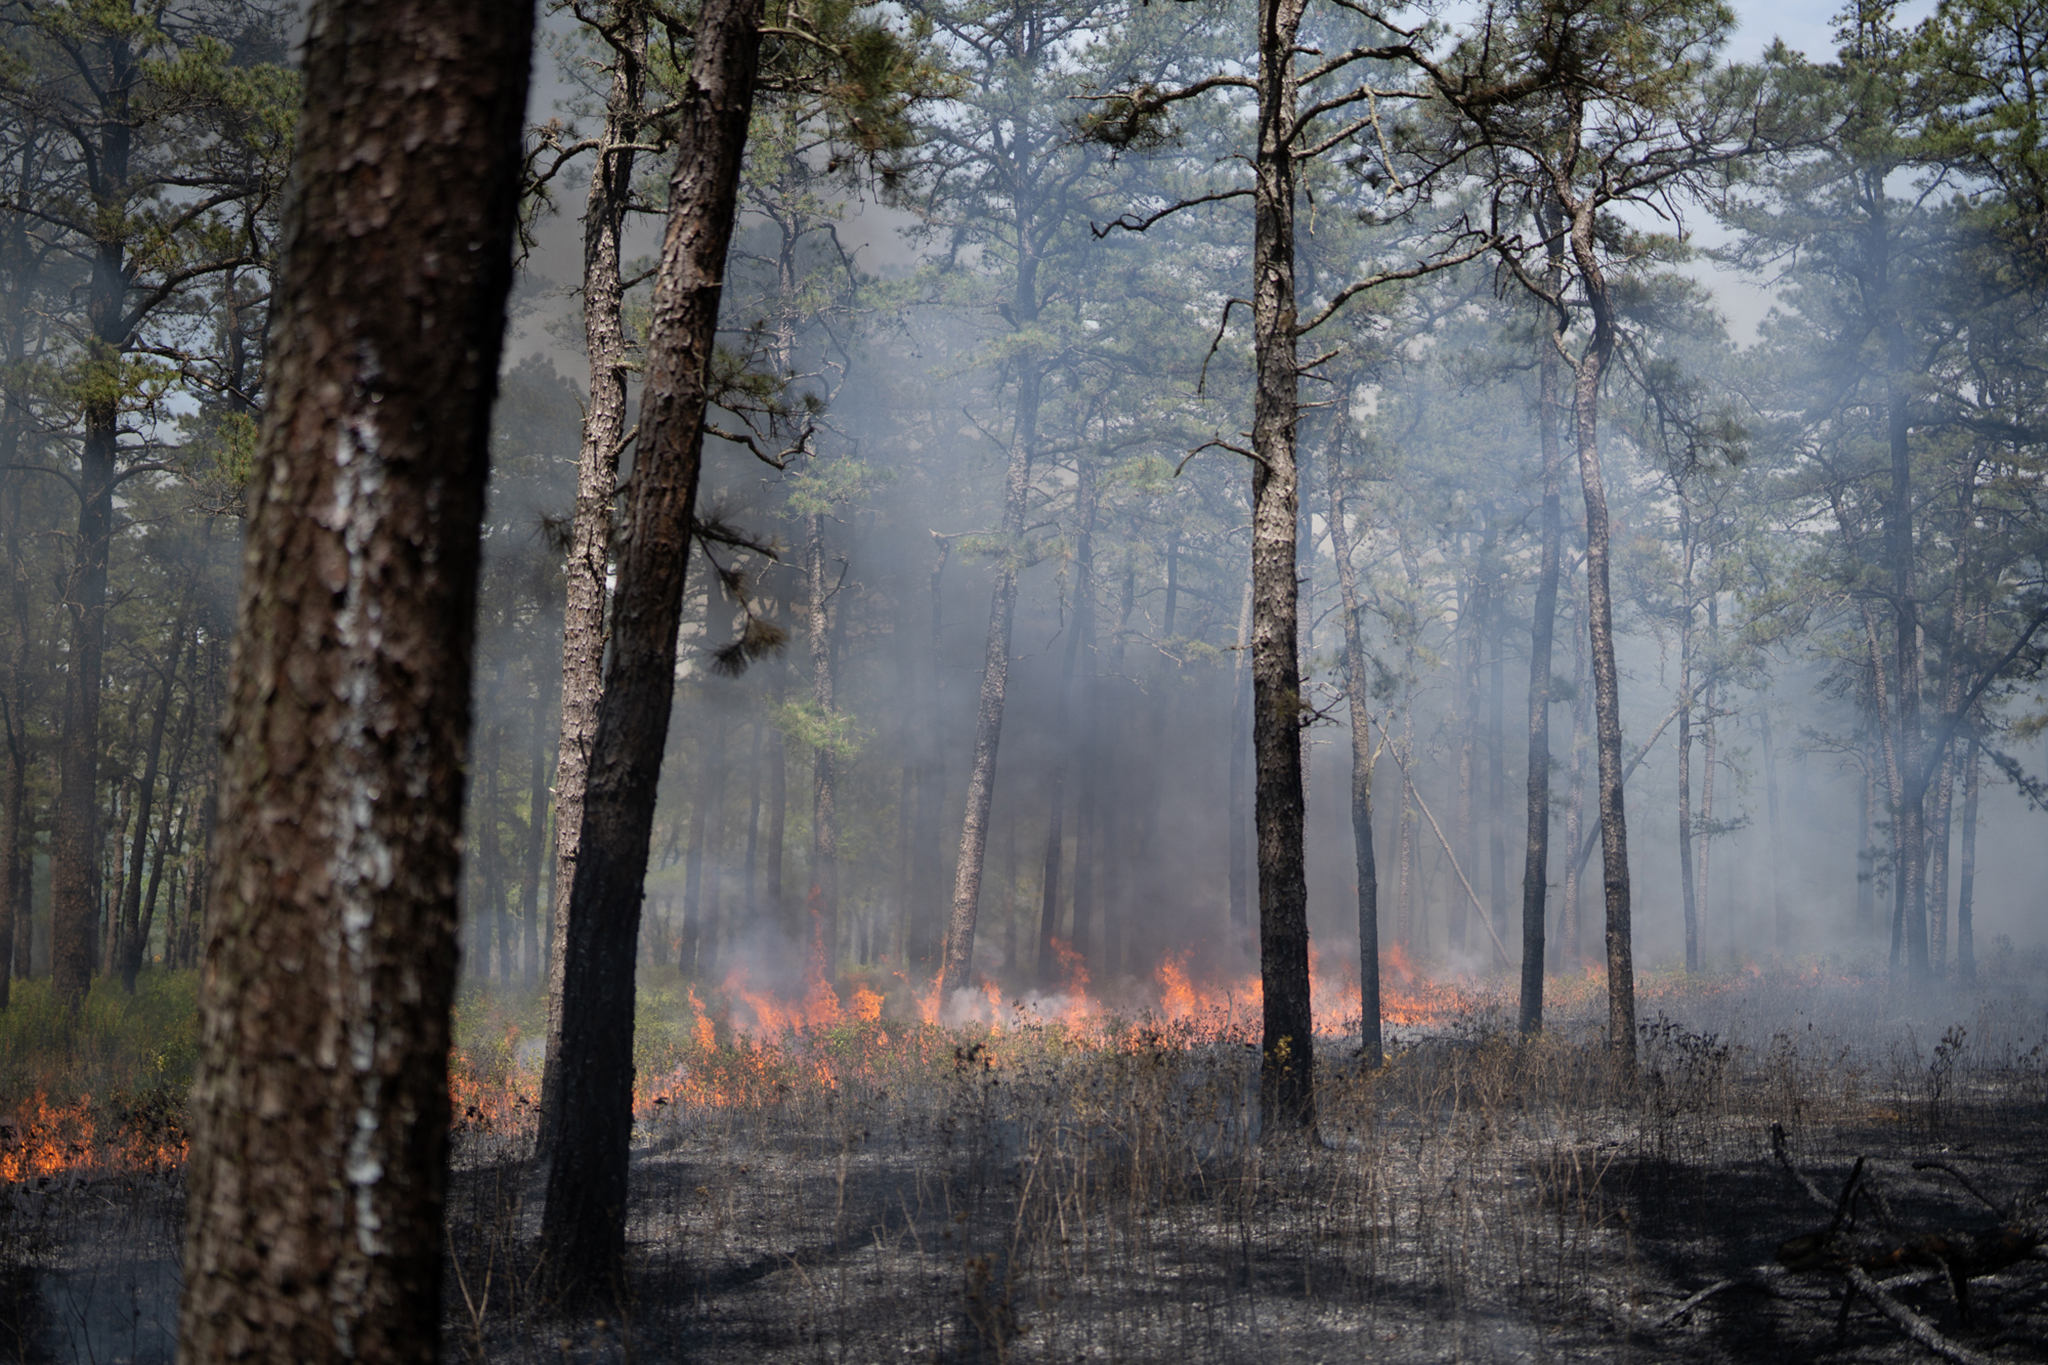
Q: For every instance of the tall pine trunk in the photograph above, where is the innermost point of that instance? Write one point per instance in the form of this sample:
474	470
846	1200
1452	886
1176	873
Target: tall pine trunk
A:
1287	1054
1542	630
584	1223
1966	893
1591	370
588	567
823	901
319	1114
1358	694
958	955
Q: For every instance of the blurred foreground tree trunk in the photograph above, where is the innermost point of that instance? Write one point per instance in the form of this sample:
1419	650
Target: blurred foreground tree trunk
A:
320	1111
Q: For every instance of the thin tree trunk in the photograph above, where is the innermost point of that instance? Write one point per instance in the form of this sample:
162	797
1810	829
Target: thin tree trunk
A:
824	898
1091	761
1709	760
136	942
319	1114
928	890
753	854
1591	369
1542	630
958	956
1055	824
1471	612
1287	1055
490	852
698	916
583	1225
1240	783
1496	767
1866	854
1781	931
1574	819
778	822
589	562
1939	829
1898	516
1966	935
1358	693
1688	881
536	826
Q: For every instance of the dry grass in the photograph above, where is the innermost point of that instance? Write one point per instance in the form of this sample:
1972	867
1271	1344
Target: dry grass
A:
880	1192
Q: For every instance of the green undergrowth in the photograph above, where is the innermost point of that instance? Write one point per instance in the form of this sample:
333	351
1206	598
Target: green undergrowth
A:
116	1048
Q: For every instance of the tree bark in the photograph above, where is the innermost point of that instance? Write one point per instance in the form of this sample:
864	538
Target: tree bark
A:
1287	1054
584	1225
320	1110
958	955
1591	369
597	466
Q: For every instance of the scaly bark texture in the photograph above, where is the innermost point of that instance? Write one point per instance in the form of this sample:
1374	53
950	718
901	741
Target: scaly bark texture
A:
597	469
584	1224
320	1111
1287	1067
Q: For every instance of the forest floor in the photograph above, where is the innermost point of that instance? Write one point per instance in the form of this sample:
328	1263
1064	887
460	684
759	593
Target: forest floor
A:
881	1192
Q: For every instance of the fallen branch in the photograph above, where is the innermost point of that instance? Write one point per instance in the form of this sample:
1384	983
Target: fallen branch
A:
1911	1323
1695	1301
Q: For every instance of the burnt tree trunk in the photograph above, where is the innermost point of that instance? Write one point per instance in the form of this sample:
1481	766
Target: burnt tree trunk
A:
320	1111
584	1223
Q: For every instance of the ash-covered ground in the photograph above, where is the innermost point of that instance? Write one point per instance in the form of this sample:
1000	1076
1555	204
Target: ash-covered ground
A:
885	1192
